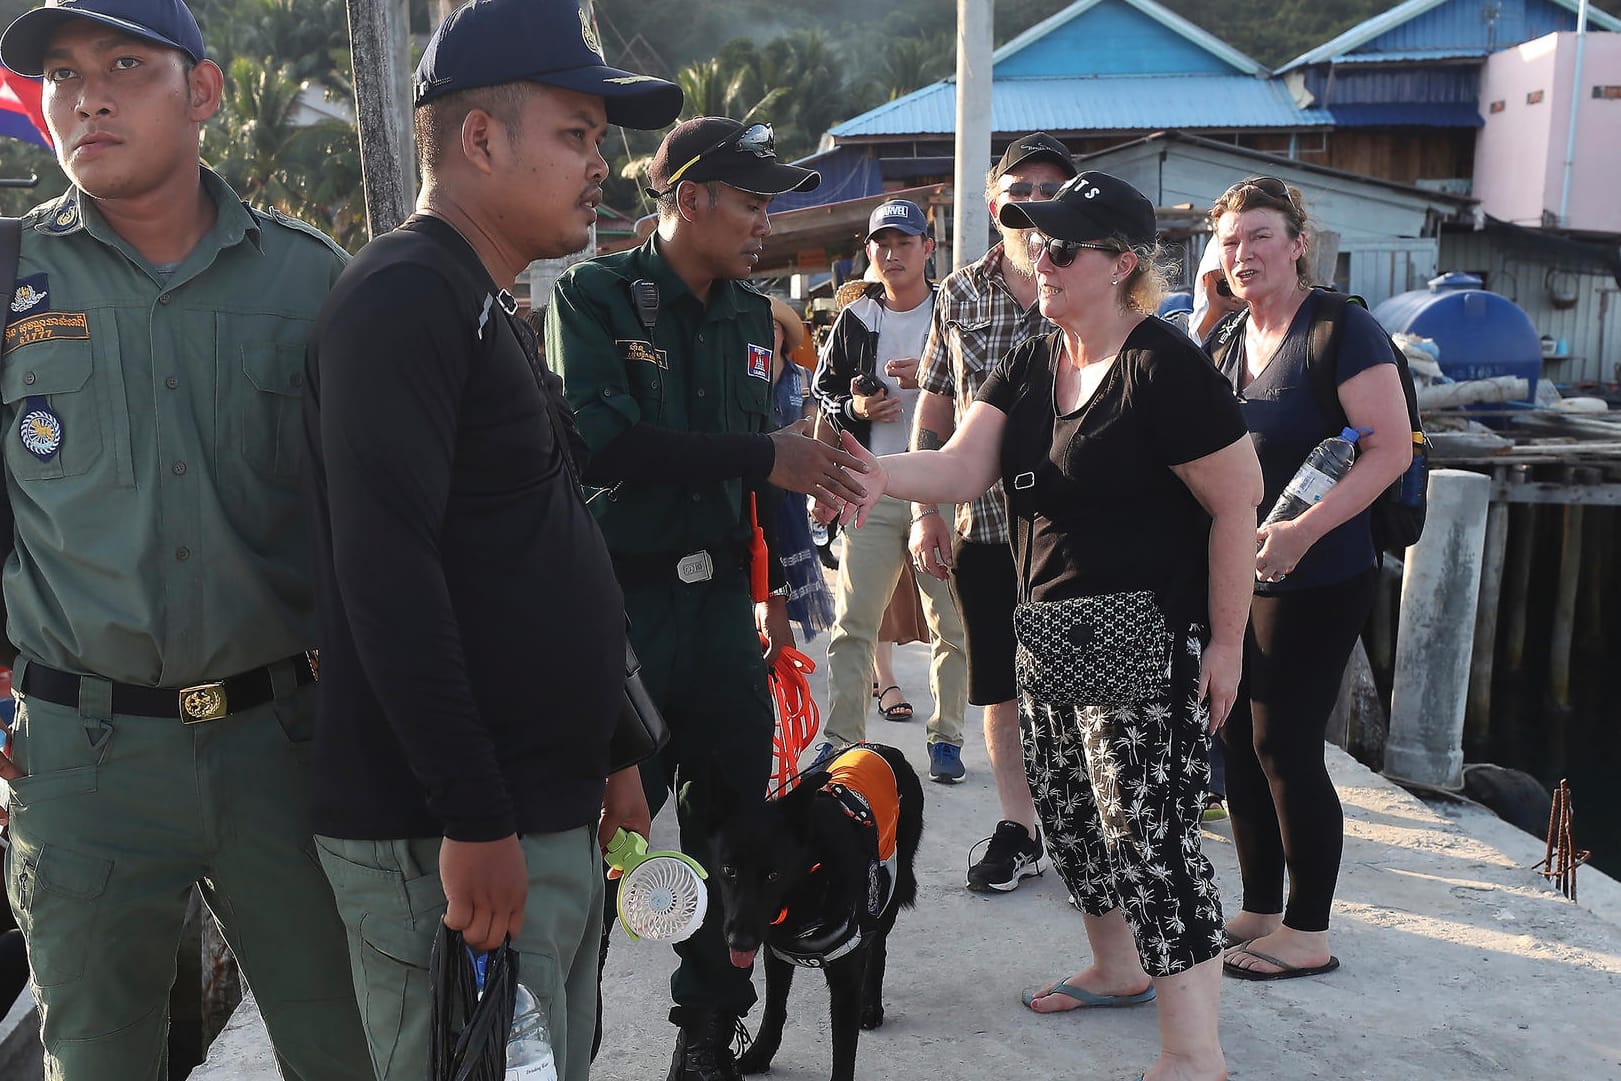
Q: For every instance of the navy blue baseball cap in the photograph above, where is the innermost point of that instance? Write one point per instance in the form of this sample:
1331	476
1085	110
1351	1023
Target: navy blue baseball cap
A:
902	214
490	42
166	22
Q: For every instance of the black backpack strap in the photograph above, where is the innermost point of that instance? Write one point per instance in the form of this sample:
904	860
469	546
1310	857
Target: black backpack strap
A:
1323	352
11	244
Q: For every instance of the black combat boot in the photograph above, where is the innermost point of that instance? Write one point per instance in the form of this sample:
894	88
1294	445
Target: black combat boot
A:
703	1046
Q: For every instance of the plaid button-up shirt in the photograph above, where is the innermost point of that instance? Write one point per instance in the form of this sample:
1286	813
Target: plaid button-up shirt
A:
976	323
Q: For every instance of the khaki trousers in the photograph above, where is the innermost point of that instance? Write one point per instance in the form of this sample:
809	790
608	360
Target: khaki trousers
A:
874	559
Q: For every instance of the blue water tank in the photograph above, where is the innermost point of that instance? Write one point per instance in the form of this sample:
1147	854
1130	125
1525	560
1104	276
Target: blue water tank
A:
1480	334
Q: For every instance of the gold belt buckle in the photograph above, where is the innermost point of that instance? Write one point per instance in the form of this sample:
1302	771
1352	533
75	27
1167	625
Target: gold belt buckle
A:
204	702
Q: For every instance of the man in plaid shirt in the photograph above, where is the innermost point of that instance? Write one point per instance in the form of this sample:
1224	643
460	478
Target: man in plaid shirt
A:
981	312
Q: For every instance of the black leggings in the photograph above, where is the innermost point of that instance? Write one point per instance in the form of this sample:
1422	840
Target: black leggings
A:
1285	811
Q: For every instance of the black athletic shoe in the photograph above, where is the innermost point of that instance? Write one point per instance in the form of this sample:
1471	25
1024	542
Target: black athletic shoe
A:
1010	855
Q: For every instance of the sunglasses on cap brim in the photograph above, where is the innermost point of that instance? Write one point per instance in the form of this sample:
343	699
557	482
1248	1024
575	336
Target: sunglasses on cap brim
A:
1063	252
756	139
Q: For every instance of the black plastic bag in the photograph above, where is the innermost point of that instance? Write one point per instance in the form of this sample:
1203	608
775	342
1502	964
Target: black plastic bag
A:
468	1031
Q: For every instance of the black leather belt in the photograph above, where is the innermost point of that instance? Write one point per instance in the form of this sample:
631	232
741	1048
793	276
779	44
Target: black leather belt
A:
190	705
691	568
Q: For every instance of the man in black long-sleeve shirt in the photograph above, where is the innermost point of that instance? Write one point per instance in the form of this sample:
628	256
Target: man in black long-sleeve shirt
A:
472	632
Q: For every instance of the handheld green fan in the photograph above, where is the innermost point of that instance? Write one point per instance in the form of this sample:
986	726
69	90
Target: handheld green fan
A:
661	894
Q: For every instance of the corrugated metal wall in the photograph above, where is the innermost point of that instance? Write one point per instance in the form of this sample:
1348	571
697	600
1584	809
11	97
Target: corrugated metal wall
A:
1591	329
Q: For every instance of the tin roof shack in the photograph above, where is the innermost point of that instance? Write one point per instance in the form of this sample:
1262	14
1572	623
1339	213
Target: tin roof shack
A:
1569	285
1388	233
1525	95
1402	89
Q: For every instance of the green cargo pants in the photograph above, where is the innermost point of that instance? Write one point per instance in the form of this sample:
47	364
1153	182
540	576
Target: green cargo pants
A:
118	817
393	903
701	663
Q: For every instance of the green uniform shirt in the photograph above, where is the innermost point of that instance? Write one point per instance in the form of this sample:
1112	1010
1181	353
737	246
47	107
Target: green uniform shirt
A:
705	369
152	437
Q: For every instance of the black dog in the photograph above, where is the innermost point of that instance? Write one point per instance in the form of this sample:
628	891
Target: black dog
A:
806	877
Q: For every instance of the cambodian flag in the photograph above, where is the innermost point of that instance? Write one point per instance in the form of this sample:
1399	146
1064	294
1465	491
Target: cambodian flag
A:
20	113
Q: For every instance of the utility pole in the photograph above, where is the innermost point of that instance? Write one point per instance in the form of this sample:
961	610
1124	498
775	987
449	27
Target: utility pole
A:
970	222
379	42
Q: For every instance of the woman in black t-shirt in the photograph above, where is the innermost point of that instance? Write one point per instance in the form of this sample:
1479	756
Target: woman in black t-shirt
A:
1126	465
1313	576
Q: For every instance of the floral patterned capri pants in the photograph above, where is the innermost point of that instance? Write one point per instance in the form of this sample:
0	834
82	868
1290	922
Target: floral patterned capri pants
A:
1119	791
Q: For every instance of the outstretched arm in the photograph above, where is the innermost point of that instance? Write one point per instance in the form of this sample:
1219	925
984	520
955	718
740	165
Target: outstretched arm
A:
962	470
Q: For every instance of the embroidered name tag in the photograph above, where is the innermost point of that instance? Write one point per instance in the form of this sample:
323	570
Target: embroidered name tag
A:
45	327
760	362
636	349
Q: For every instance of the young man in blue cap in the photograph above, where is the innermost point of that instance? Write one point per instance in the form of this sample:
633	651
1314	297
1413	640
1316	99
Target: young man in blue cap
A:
158	580
473	634
880	337
666	354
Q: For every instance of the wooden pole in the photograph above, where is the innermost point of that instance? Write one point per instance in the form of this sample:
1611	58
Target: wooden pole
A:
377	41
1564	603
1477	711
1523	526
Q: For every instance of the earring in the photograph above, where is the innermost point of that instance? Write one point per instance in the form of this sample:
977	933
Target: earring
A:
1114	281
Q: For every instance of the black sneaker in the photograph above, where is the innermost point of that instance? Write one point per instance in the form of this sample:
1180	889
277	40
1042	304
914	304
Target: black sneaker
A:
1010	855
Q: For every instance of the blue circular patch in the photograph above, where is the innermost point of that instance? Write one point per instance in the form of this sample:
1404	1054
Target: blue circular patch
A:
41	432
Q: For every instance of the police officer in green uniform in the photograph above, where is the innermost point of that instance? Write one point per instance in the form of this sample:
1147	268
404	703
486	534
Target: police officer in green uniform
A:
665	355
157	579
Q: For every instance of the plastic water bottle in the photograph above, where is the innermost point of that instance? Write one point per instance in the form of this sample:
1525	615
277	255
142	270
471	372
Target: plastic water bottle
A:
1324	466
529	1045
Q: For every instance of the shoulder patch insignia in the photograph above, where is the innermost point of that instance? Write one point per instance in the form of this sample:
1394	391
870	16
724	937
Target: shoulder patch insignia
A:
45	327
760	362
40	429
634	349
31	293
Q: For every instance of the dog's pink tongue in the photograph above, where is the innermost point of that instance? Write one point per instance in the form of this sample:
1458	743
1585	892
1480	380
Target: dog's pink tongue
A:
743	958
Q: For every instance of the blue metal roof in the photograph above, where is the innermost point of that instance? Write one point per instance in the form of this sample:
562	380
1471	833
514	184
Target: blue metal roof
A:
1106	103
848	172
1127	37
1449	28
1411	114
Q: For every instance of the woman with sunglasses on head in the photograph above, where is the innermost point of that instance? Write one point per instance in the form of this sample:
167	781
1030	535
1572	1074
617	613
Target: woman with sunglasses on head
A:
1313	576
1128	476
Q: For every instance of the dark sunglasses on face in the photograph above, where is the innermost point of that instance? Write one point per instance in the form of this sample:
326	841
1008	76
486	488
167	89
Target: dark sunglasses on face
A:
1266	185
1024	189
756	139
1063	252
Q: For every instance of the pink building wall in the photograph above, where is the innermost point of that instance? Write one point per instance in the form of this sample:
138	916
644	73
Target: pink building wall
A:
1520	154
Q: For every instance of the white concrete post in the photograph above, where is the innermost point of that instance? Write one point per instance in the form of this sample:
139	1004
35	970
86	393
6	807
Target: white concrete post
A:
970	219
1435	635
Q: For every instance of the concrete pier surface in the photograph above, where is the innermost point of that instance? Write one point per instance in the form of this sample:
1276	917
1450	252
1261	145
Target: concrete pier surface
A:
1458	961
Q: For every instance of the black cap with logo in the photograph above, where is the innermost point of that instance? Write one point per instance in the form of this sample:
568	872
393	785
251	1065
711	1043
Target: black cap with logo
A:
1037	146
166	22
1091	206
490	42
715	148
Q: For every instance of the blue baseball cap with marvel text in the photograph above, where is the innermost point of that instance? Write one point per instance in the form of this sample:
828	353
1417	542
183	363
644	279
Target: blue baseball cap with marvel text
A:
902	214
166	22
